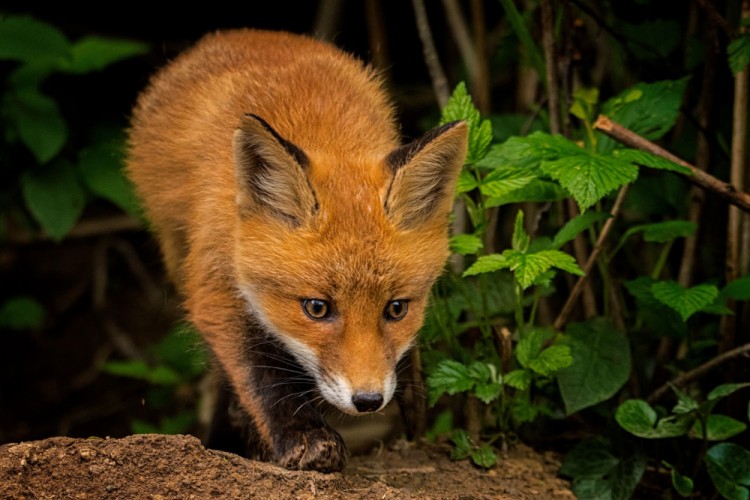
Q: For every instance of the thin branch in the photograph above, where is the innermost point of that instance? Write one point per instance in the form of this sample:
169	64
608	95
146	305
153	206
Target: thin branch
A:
550	63
439	82
699	371
700	178
83	229
562	318
460	31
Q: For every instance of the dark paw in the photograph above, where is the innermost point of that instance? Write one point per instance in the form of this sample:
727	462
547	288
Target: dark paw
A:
319	449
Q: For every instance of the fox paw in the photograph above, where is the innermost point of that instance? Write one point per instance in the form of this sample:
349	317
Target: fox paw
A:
319	449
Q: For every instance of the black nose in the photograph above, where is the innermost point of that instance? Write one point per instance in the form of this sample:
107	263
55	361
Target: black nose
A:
367	401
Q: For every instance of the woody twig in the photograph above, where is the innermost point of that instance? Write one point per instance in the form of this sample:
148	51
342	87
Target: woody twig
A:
700	178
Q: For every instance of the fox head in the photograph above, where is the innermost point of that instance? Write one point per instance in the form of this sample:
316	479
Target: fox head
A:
335	256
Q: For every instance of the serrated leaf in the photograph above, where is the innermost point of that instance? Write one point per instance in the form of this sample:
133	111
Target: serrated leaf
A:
651	115
484	456
21	313
719	427
589	178
728	466
524	411
649	160
449	377
500	182
101	168
466	182
531	343
527	268
54	197
584	103
661	232
551	360
520	241
39	122
536	190
23	38
94	53
577	225
462	445
488	392
465	244
518	379
487	264
685	301
601	364
685	404
637	417
738	53
460	107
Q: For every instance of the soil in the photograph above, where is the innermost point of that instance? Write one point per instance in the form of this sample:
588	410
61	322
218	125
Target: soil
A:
151	466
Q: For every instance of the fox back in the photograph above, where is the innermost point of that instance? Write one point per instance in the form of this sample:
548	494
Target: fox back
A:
302	235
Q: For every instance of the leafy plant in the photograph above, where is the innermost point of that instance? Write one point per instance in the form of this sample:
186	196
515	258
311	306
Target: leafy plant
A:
54	171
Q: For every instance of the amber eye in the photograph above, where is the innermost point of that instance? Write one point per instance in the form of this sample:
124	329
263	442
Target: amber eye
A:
396	310
316	308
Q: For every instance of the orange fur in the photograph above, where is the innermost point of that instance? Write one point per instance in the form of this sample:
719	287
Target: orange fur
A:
246	244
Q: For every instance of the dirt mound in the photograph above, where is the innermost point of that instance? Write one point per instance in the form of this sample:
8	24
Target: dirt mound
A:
158	467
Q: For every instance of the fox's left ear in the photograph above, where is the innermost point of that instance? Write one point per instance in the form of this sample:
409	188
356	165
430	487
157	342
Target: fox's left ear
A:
425	174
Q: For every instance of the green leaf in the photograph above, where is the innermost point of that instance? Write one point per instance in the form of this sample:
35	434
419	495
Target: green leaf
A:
487	264
54	197
590	178
724	390
584	103
39	122
101	167
649	160
590	458
94	53
651	114
460	107
537	190
719	427
23	38
577	225
738	289
520	241
524	411
661	232
527	268
462	445
158	375
682	484
728	466
21	313
637	417
518	379
466	182
685	301
598	473
738	53
466	244
488	392
551	360
685	404
531	343
601	364
484	456
449	377
501	182
181	351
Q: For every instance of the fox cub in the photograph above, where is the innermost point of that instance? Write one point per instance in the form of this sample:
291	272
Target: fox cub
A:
302	236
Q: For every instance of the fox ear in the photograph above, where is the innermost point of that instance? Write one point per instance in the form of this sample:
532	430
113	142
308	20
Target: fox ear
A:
425	174
271	173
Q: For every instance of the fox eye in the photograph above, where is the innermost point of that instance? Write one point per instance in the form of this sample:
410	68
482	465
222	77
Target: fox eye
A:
395	310
316	308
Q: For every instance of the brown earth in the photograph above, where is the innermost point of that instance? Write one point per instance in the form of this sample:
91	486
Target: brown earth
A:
151	466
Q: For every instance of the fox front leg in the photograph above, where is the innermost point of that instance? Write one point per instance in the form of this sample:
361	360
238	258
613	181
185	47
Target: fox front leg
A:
296	433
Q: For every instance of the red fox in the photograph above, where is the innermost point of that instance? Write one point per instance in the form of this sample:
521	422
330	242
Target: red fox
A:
302	236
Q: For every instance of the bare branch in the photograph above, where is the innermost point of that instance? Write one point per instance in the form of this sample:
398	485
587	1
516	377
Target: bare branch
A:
439	82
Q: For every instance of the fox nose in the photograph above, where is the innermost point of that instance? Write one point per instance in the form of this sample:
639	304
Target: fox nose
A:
367	401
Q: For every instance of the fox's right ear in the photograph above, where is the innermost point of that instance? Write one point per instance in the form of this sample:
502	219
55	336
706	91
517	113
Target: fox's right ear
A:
425	173
271	173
